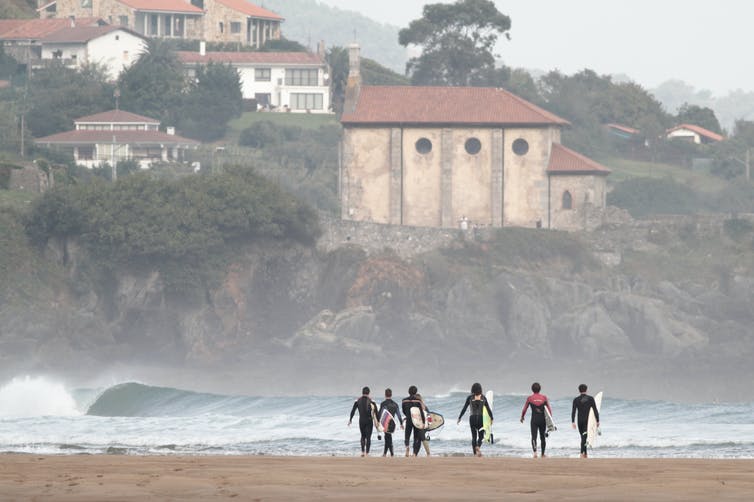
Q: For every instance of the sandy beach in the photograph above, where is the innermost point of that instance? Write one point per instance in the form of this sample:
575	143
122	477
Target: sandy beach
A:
261	478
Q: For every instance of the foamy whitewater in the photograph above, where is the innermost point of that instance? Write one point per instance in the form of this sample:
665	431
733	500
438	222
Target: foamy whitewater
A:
44	417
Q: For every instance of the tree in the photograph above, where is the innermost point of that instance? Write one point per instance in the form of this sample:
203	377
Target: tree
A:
58	95
699	115
213	99
153	86
457	41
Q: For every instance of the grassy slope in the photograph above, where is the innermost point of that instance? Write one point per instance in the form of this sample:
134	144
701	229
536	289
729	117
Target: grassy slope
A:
701	181
305	120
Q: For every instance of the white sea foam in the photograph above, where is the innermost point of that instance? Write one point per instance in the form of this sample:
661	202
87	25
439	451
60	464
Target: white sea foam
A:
36	396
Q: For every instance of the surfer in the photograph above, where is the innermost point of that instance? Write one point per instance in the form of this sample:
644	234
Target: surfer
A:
537	402
413	401
425	439
389	410
367	408
583	403
477	402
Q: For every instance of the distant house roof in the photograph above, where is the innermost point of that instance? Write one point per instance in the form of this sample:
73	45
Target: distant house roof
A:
697	129
73	138
623	128
116	116
565	161
445	105
245	7
34	29
182	6
83	34
250	57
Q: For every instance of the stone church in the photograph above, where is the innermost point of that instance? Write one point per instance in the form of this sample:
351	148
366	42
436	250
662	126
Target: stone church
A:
468	156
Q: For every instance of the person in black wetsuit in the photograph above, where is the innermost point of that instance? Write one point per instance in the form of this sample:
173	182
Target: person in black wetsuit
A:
366	408
392	407
582	404
412	401
537	402
477	402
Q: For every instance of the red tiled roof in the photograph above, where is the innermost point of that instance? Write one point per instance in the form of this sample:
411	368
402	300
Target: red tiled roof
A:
699	130
250	9
250	57
626	129
445	105
120	137
33	29
183	6
565	161
83	33
117	116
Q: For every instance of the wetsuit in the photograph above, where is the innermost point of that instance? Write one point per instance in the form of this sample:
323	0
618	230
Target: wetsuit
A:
391	406
537	402
476	421
365	406
583	403
413	402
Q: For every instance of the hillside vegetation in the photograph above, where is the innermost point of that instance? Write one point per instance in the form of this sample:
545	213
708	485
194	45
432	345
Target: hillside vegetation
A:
18	9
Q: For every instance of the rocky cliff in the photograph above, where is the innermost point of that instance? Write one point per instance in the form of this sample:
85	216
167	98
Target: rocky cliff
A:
620	308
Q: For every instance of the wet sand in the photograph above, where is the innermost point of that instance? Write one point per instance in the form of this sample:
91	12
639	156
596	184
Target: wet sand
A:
261	478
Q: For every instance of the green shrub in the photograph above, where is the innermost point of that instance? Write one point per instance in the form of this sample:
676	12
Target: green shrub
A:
643	197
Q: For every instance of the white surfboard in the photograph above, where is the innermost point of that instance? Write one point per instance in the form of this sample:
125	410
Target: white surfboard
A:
486	421
592	431
549	421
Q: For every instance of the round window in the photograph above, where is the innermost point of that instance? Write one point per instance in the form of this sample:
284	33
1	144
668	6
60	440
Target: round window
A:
520	146
473	145
423	145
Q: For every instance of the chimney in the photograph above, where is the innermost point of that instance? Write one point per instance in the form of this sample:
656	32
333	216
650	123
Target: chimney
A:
202	48
321	49
170	130
353	85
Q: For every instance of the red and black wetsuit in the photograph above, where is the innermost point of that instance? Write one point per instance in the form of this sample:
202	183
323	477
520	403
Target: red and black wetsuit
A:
364	405
409	402
583	403
476	421
537	402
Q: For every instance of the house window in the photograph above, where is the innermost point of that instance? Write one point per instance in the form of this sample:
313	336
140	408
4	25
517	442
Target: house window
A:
222	27
300	77
423	146
167	29
86	153
86	3
235	27
123	20
304	101
473	146
520	146
567	200
262	74
154	24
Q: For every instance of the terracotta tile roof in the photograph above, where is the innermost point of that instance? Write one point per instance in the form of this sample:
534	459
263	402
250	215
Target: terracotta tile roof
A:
626	129
114	116
34	29
183	6
699	130
81	34
104	137
565	161
248	8
445	105
250	57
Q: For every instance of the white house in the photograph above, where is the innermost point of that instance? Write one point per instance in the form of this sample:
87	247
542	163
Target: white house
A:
282	81
113	47
693	133
110	137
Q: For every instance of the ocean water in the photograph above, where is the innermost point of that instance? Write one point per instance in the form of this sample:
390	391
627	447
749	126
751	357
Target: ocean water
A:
41	416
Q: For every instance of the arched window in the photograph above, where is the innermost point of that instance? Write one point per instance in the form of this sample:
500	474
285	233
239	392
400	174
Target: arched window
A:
567	200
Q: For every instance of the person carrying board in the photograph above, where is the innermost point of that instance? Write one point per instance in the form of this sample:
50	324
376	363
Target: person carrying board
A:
414	401
367	408
583	403
477	402
538	402
389	410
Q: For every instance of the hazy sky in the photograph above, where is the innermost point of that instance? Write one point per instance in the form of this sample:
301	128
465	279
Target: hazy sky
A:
706	44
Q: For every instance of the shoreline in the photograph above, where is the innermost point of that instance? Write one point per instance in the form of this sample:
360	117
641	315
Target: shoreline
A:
125	477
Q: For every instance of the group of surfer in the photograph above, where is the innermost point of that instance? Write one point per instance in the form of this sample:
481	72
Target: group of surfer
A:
416	415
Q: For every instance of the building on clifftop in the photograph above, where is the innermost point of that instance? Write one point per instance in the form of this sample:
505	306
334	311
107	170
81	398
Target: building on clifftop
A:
444	156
